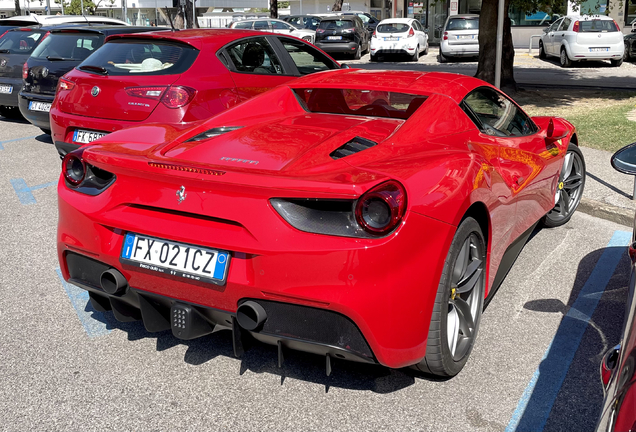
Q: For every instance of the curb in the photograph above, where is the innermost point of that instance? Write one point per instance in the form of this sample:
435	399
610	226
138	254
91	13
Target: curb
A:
608	212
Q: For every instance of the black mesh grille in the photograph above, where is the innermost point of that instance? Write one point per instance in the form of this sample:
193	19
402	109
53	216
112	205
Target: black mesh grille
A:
354	146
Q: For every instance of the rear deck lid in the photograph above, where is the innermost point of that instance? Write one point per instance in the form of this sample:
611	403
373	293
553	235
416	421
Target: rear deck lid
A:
125	79
597	32
462	30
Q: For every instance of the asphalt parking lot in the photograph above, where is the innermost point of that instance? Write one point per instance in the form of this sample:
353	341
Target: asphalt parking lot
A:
68	367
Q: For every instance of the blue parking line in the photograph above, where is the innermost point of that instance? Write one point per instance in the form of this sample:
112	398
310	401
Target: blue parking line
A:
93	321
15	139
535	405
24	192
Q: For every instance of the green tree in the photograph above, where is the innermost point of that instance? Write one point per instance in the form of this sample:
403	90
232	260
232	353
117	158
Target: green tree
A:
75	7
488	36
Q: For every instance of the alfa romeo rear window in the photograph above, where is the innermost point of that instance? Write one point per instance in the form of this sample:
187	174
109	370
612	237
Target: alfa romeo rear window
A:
463	24
372	103
140	57
19	41
595	26
393	28
68	46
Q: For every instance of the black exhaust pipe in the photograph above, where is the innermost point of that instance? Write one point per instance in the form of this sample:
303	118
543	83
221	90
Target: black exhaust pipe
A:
250	315
113	282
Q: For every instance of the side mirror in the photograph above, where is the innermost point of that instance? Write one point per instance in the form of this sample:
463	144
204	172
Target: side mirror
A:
556	131
345	66
624	160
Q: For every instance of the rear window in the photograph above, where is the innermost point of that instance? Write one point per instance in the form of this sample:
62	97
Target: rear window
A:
68	46
594	26
360	102
335	25
19	41
463	24
393	28
147	57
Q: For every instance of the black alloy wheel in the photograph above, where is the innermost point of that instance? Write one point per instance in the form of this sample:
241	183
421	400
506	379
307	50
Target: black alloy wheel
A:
569	189
357	54
458	304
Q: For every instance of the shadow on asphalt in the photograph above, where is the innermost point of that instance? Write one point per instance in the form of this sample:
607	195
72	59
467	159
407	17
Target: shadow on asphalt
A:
579	398
44	138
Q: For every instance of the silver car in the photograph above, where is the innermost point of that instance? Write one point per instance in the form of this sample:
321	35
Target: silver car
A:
460	37
275	26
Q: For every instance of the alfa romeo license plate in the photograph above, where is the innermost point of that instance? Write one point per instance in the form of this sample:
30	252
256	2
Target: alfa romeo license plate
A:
6	89
85	136
39	106
176	259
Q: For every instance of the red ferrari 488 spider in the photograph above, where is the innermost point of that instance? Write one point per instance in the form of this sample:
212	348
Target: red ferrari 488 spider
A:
359	215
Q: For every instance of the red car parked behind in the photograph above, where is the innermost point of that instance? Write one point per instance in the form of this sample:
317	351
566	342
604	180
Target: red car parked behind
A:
173	77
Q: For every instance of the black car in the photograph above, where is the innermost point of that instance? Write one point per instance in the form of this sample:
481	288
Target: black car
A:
344	34
369	21
16	46
630	45
309	22
65	48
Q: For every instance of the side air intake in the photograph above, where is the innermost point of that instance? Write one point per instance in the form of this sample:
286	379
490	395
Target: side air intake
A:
356	145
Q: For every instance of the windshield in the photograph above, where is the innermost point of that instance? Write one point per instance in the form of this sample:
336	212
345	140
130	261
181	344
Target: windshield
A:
393	28
374	103
19	41
68	46
463	24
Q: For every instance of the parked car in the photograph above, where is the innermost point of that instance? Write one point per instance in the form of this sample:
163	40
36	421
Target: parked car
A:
343	34
64	48
618	367
50	20
575	38
275	26
630	45
399	36
460	37
173	78
308	22
272	219
369	21
16	46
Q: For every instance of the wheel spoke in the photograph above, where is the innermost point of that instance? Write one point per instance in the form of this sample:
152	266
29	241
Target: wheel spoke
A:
563	203
567	166
466	323
452	329
462	262
473	273
570	180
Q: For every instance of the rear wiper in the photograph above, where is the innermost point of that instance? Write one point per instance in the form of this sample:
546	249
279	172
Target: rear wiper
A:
97	69
53	58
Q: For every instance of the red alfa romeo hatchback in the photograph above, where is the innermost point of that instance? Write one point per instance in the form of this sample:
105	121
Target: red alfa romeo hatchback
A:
173	77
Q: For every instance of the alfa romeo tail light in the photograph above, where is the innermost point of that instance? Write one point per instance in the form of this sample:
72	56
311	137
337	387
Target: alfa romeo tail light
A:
65	84
25	71
146	92
576	26
411	33
178	96
381	209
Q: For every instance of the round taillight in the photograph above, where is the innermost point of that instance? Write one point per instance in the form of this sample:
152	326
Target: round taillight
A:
25	71
73	168
382	208
178	96
445	36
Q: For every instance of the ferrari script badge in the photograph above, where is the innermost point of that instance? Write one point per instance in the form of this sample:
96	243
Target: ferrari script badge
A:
181	195
95	91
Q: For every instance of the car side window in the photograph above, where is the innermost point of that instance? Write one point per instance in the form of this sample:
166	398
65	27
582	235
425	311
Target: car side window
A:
243	25
555	25
277	25
497	115
306	58
261	25
255	56
564	24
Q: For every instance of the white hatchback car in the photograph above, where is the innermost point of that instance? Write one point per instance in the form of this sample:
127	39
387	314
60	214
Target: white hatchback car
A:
275	26
583	37
399	36
460	37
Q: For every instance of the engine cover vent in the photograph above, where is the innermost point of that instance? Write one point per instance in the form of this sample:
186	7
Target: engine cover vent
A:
356	145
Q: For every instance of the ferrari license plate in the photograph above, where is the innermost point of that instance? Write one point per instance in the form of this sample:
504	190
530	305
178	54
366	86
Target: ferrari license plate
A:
176	259
6	89
39	106
85	136
599	49
334	37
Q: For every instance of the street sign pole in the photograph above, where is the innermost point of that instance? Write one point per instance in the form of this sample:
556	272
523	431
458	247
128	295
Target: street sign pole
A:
500	21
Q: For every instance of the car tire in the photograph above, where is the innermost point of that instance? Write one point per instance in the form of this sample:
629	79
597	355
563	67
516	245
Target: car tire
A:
617	63
416	55
564	59
10	112
425	52
542	55
456	315
442	58
626	55
373	58
569	189
357	54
